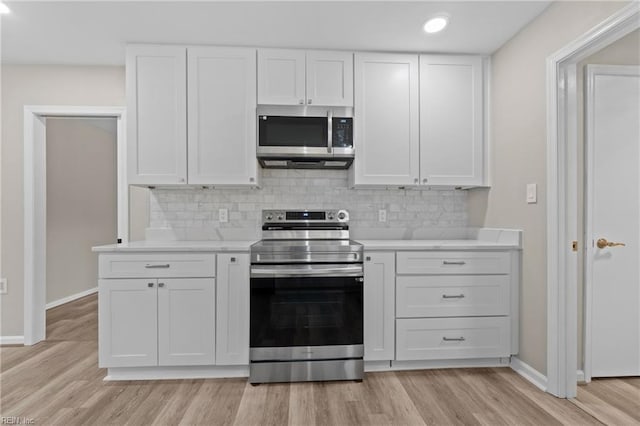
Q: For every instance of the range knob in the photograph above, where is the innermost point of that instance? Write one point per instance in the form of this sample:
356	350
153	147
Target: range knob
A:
342	215
269	216
280	217
330	216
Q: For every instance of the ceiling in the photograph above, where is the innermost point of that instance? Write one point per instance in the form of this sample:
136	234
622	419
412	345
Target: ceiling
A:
95	32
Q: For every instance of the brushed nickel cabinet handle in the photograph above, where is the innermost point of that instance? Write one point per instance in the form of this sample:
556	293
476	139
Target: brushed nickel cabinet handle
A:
162	266
368	258
160	285
233	259
150	285
453	296
449	262
453	339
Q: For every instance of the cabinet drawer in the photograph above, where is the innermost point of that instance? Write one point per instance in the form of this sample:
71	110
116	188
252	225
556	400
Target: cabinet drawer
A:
452	295
453	262
452	338
157	265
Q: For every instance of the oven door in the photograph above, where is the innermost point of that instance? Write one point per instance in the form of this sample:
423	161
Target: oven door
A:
306	311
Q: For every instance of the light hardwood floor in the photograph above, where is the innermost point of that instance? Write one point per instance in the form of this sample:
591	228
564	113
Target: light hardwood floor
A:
58	382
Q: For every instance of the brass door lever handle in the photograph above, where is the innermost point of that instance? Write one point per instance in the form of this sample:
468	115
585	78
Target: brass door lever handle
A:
602	243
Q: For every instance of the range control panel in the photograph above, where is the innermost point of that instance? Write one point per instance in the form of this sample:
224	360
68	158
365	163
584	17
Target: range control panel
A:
315	216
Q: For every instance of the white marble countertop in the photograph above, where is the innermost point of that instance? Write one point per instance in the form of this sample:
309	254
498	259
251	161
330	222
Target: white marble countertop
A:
176	246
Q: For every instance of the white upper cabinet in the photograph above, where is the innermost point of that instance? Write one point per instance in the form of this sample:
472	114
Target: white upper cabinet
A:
222	116
329	78
298	77
451	120
386	133
219	117
156	114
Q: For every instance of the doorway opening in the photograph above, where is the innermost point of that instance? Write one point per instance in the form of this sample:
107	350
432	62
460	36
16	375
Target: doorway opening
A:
36	120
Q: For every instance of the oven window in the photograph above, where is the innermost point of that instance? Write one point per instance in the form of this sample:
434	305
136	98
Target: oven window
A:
306	311
293	131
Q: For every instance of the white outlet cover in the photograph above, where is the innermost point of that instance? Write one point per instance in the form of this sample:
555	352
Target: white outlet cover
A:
532	193
3	286
382	215
223	215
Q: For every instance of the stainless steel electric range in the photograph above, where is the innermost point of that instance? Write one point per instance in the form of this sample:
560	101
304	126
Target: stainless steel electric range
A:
306	299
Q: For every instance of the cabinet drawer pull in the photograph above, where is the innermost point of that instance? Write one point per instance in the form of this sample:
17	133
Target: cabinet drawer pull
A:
450	262
368	258
453	296
160	285
163	266
233	259
453	339
150	285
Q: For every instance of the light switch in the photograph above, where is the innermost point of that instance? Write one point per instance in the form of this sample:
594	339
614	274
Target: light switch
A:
532	193
382	215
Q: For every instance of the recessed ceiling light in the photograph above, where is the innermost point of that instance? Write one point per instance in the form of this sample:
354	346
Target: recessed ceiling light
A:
4	9
436	24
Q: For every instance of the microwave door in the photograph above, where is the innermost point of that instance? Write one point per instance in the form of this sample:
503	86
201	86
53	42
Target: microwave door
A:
293	136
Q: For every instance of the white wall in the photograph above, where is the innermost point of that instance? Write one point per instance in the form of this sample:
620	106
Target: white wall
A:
37	85
518	152
81	201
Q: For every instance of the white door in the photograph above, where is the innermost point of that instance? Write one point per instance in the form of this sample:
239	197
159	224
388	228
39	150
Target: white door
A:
281	77
222	116
157	114
451	120
127	319
613	214
386	130
329	78
186	321
232	322
379	306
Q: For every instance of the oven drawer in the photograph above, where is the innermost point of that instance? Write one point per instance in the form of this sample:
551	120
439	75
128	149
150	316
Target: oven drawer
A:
453	262
452	295
157	265
452	338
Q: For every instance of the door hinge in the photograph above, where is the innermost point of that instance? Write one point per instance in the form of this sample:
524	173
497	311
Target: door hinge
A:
574	246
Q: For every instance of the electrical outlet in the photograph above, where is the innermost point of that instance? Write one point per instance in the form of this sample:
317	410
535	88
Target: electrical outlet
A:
223	215
3	286
382	215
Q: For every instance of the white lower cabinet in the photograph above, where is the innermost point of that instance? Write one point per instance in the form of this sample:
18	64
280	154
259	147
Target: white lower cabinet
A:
379	309
148	316
232	323
452	338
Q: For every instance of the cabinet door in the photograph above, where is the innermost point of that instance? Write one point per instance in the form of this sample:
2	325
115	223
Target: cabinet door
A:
186	321
222	116
127	321
379	305
386	131
281	77
157	114
451	120
329	78
232	322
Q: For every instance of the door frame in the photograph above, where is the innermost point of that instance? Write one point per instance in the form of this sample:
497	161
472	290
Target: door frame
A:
591	72
35	203
562	203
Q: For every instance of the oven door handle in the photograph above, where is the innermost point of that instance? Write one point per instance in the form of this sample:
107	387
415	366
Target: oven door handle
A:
283	271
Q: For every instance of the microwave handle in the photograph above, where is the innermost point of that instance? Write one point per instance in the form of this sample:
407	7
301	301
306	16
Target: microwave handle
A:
329	131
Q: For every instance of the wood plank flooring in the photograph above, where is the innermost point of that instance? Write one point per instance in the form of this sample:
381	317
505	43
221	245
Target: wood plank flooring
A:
58	382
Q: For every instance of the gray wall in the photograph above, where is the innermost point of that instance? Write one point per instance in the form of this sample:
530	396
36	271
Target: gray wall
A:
81	201
518	152
37	85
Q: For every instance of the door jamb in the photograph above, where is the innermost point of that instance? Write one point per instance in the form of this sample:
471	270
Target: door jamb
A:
562	140
35	203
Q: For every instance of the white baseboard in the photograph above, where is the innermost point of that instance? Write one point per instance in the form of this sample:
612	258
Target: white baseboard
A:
185	372
71	298
580	376
538	379
11	340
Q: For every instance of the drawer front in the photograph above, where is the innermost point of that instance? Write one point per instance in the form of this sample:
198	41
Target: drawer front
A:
157	265
452	338
452	295
453	262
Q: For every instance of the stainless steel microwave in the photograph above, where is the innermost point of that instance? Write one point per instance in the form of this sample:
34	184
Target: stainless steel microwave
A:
287	141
